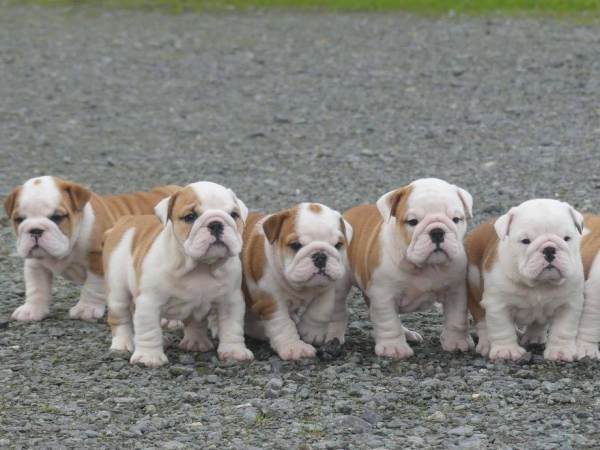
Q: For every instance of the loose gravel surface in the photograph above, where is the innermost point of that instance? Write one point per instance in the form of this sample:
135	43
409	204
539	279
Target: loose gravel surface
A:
285	107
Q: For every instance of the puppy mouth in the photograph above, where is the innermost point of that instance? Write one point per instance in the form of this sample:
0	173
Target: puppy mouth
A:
321	273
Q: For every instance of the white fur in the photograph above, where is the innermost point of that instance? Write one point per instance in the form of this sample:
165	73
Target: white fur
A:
588	335
305	299
181	281
58	254
413	277
520	289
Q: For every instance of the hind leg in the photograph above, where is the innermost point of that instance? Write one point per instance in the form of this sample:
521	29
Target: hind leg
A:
119	319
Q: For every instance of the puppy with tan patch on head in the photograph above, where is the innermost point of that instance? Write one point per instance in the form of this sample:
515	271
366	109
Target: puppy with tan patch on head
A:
292	260
588	335
181	265
525	269
59	227
407	253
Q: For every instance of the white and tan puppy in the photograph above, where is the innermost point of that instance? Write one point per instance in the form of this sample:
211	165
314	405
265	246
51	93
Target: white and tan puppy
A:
407	253
180	265
59	227
525	269
292	260
588	335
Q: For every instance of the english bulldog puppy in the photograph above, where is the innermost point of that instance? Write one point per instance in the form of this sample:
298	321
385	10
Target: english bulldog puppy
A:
59	227
588	335
180	264
292	260
525	269
407	253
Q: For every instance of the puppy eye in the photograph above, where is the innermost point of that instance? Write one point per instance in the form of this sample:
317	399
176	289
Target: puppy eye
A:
190	217
526	241
295	245
234	215
456	219
412	222
567	238
19	220
57	218
339	245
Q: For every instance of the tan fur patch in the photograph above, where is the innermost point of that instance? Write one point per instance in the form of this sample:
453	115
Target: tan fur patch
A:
399	207
481	246
182	203
37	181
10	205
590	243
315	208
364	251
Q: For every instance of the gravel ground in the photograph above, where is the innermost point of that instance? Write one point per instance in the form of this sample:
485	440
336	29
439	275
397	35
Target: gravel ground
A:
283	108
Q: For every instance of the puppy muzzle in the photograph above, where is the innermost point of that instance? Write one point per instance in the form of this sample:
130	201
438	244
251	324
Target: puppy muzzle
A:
214	235
317	263
435	240
548	258
39	238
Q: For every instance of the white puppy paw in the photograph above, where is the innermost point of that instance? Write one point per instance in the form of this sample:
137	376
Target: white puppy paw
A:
312	333
336	330
412	336
171	324
85	311
456	343
149	358
234	352
122	344
30	313
513	352
296	350
393	349
566	352
196	344
587	350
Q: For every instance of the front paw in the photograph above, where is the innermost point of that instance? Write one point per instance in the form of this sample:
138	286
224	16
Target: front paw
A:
460	343
397	349
234	352
196	344
513	352
336	330
565	352
296	350
149	358
30	313
122	344
87	312
587	350
313	333
412	336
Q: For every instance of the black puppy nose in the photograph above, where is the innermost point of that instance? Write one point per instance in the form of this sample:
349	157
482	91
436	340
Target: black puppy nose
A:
216	228
36	232
549	253
437	235
319	260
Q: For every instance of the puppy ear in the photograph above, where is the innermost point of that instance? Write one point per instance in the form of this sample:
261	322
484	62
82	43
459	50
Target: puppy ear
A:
393	203
11	201
170	205
467	201
272	226
577	218
162	209
241	205
346	230
78	194
502	224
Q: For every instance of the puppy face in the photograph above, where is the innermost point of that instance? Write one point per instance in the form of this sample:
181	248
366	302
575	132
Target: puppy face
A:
309	242
207	220
45	213
431	218
542	237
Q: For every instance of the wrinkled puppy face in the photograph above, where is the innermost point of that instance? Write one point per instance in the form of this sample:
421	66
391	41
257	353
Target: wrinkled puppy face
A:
542	237
431	218
45	213
309	242
207	220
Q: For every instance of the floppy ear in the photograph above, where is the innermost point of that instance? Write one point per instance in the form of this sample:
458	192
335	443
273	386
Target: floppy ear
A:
11	201
467	201
78	194
272	226
577	218
346	230
388	203
162	209
241	205
502	224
